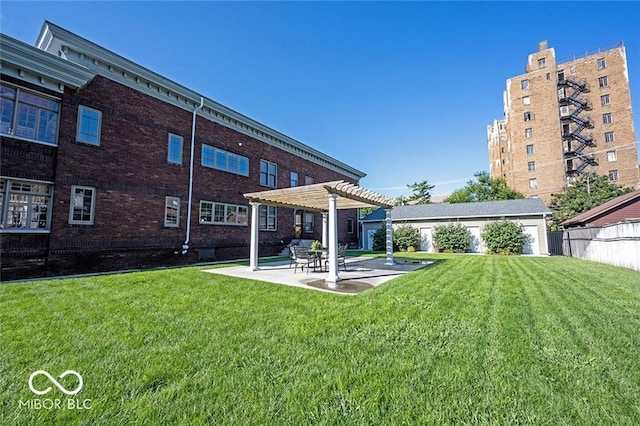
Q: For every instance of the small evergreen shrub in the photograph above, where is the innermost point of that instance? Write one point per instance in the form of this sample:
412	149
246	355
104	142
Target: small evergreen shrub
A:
405	236
504	237
452	238
380	239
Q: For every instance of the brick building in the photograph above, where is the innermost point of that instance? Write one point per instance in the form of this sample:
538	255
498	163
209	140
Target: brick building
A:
561	119
104	162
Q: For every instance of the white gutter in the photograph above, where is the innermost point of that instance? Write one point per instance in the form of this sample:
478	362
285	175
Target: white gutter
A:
185	246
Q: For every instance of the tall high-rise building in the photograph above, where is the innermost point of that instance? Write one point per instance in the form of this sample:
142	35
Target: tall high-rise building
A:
564	119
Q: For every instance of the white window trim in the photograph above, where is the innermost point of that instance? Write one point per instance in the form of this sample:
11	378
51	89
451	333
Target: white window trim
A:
275	176
169	148
5	207
12	129
167	224
93	206
228	153
275	215
98	136
213	214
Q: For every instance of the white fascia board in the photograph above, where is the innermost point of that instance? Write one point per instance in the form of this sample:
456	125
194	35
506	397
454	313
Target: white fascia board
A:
28	63
468	217
57	40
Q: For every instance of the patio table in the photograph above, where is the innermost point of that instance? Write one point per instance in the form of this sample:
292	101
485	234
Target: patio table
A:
317	257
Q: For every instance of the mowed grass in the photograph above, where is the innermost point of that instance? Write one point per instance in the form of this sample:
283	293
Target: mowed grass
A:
466	340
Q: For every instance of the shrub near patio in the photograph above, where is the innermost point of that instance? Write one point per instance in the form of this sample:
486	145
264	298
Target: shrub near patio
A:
465	340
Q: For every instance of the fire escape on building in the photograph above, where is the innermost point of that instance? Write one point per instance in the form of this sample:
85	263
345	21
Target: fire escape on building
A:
573	124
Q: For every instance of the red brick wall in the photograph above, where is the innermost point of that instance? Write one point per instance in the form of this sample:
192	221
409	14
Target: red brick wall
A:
132	178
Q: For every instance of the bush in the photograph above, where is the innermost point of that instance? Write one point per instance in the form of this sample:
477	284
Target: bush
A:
380	239
406	237
452	238
504	237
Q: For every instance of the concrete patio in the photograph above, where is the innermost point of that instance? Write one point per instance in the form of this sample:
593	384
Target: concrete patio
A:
362	274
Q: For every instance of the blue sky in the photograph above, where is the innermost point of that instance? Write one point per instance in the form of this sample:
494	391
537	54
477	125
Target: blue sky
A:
400	90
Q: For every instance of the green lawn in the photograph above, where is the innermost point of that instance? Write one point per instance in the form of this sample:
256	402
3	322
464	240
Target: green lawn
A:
469	339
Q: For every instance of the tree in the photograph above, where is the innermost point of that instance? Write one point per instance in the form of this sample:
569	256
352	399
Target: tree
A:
421	192
588	191
485	188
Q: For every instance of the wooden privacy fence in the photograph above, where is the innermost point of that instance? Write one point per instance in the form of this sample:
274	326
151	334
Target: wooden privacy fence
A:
617	244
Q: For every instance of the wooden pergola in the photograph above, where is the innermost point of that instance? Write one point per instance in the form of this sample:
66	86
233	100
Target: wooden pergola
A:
324	197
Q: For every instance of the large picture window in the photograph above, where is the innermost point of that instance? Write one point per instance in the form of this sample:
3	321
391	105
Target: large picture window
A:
223	214
28	115
267	218
26	206
224	160
83	201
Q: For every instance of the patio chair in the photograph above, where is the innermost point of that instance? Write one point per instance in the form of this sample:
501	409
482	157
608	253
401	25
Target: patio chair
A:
292	257
342	257
300	256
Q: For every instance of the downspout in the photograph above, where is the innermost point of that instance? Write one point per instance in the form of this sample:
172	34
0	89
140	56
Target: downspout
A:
185	246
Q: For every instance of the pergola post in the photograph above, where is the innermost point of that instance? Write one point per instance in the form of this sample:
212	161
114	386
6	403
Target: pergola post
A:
325	229
389	235
333	276
253	254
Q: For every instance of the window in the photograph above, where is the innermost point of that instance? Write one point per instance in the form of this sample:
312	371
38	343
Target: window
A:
308	222
613	175
25	205
604	100
528	116
572	70
606	118
561	75
528	133
225	161
530	149
83	203
524	84
174	149
564	110
267	218
526	100
308	180
27	115
223	214
603	81
602	63
542	63
294	179
608	137
533	183
548	76
531	165
268	173
350	226
611	156
562	93
89	123
172	212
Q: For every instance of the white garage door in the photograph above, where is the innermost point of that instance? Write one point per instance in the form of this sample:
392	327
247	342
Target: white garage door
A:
426	242
477	246
532	247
